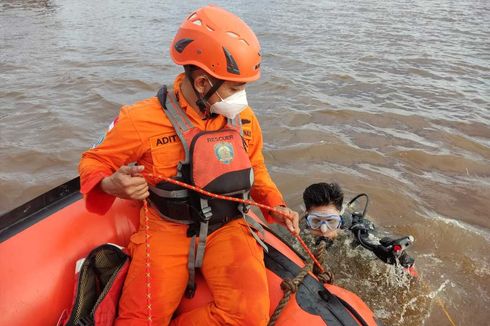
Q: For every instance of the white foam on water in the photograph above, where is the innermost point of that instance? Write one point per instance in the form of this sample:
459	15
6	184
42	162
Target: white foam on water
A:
441	287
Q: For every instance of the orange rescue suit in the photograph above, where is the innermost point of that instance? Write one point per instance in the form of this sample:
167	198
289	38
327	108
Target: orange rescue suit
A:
233	262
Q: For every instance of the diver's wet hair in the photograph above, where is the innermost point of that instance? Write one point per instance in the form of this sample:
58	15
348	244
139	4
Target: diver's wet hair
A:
323	194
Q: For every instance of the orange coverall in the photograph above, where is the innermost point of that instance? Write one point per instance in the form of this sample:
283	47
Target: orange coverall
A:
233	262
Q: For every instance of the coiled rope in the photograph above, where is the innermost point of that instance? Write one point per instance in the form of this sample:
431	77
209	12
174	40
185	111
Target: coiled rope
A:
290	286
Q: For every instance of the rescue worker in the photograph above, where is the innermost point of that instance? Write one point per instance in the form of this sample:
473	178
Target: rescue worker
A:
202	132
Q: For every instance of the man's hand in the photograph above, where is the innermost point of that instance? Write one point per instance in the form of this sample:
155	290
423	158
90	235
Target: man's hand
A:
126	183
288	217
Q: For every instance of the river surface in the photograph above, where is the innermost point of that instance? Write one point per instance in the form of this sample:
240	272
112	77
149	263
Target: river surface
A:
391	98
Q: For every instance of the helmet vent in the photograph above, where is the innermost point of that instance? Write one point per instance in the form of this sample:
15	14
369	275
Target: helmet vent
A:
231	65
197	22
234	35
209	28
192	16
181	44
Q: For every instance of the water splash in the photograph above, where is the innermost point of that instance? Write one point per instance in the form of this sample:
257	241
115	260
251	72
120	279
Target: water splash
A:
394	296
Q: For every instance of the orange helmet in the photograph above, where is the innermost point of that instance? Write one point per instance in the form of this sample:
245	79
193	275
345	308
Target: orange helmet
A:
218	42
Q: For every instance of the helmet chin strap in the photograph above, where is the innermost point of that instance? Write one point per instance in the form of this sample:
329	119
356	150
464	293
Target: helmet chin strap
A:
202	100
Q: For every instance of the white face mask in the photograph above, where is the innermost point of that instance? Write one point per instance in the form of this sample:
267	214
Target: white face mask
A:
231	106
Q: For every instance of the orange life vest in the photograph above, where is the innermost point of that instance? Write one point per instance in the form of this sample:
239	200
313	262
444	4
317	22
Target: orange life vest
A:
216	161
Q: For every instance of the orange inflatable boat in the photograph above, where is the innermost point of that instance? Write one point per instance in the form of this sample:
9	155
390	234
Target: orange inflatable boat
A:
41	241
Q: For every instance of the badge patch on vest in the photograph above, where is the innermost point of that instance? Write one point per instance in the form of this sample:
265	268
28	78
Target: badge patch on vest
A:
224	152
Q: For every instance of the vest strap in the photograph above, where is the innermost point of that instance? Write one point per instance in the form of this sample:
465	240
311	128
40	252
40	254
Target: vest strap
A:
183	221
256	225
183	193
183	120
191	267
196	257
235	123
177	117
203	234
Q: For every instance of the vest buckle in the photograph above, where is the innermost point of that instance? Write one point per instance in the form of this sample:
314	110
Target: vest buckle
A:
206	214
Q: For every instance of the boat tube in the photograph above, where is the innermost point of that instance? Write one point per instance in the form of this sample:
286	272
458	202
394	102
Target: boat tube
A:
41	241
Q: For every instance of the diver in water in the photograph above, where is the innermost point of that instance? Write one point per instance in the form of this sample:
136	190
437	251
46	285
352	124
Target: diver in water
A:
324	201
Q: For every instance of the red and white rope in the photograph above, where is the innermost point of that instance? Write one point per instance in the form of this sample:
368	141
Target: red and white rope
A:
147	264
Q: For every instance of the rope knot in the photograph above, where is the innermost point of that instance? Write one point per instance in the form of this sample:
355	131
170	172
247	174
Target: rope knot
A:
289	285
326	277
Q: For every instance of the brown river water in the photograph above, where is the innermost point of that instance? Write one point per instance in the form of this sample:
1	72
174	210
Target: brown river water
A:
391	98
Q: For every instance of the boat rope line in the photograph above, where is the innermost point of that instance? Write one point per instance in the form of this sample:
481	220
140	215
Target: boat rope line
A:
243	201
441	304
290	286
147	264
